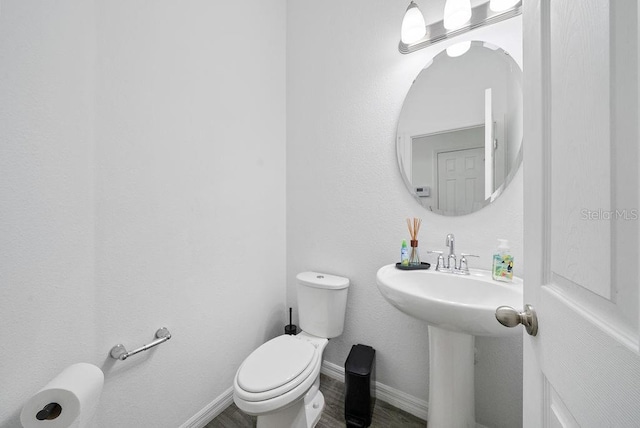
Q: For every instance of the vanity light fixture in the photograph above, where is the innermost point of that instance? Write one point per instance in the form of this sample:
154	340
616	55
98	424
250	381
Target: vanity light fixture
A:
456	13
481	15
413	25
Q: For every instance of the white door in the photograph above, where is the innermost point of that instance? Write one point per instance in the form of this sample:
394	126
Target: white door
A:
460	179
581	213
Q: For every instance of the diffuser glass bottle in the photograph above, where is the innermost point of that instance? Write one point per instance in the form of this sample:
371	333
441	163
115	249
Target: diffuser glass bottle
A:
414	258
414	228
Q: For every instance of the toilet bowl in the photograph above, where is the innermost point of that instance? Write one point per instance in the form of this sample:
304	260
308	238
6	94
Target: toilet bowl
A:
280	381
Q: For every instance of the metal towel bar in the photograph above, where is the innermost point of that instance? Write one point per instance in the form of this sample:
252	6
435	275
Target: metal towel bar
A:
119	352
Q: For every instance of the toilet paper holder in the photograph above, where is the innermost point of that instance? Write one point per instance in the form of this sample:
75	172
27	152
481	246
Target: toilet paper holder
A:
49	412
119	352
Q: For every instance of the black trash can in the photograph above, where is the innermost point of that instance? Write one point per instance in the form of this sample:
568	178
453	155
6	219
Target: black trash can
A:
359	380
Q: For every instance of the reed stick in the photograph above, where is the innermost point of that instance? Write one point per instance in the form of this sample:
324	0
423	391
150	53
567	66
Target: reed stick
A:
414	228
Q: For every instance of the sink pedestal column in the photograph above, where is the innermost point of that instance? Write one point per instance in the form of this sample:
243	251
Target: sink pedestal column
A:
451	379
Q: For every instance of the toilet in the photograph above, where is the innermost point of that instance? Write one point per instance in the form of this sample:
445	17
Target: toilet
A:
279	382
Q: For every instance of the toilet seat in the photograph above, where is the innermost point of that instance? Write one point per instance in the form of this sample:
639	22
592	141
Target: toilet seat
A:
275	368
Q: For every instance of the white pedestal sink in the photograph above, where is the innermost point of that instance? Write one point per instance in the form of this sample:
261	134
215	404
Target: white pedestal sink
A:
457	308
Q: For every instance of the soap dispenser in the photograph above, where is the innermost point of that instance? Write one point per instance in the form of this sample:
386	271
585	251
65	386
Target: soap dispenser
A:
502	269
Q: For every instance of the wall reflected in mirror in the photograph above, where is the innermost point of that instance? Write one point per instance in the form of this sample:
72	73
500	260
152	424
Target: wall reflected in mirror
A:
459	139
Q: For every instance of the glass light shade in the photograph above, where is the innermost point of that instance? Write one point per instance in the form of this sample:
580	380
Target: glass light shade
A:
500	5
413	25
458	49
456	13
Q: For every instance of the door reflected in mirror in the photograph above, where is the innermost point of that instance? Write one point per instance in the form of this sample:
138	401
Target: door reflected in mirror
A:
459	139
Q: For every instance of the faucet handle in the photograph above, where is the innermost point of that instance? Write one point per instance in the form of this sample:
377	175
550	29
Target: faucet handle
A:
464	269
440	262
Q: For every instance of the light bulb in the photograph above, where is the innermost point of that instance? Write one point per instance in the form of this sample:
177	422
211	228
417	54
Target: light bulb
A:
458	49
413	25
500	5
456	13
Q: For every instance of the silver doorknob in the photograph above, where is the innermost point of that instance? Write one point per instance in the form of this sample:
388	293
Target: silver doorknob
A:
509	317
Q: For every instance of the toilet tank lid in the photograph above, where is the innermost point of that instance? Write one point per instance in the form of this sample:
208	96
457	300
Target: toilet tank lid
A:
322	280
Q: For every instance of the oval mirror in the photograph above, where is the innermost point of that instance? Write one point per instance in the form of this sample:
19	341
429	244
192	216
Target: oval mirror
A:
459	138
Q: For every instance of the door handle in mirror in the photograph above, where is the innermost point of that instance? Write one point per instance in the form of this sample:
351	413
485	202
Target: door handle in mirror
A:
509	317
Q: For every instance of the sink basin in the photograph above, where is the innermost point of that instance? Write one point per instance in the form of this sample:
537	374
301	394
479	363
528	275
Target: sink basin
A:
457	308
462	303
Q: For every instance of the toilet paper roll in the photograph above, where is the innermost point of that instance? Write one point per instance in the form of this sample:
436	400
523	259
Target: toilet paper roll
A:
76	391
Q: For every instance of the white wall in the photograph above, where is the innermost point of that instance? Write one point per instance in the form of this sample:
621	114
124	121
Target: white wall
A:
47	290
142	162
347	203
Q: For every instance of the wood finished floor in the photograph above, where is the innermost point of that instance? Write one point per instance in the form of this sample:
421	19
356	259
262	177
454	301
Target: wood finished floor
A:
384	414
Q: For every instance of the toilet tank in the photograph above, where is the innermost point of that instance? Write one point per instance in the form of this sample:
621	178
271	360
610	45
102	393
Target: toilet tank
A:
322	303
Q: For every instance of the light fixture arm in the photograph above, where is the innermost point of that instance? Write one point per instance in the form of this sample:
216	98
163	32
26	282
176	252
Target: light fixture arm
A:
481	16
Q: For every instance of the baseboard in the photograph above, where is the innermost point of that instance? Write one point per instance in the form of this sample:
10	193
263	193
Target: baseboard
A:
210	411
396	398
334	371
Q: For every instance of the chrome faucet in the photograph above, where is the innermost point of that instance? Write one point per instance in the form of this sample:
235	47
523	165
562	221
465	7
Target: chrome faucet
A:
452	254
449	264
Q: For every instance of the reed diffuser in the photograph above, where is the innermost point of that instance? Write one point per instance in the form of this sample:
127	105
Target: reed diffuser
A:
414	229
